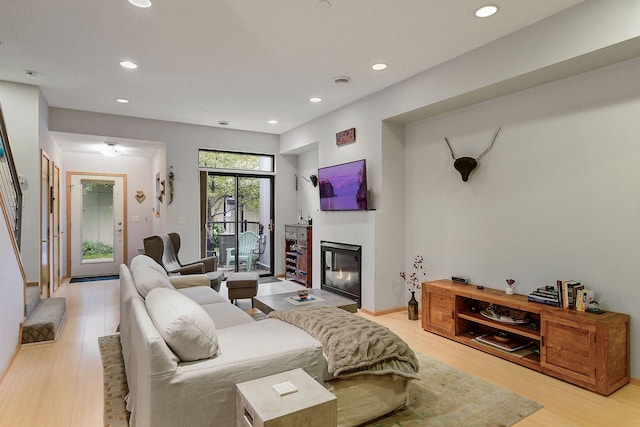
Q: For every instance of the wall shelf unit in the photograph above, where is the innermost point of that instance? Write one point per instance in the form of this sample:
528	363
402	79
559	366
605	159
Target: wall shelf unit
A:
585	349
297	253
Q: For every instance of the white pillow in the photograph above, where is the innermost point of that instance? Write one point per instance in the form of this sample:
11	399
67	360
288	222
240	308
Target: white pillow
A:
186	328
147	278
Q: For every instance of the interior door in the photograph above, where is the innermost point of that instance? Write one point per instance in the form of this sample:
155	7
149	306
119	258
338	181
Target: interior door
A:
233	204
56	228
45	224
97	229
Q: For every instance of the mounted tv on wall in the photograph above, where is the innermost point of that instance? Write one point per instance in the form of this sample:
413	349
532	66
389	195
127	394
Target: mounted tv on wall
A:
343	187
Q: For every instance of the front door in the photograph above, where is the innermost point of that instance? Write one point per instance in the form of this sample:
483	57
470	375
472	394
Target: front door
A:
97	229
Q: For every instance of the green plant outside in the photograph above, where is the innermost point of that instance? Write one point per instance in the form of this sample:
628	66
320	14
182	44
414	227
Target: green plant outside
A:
96	250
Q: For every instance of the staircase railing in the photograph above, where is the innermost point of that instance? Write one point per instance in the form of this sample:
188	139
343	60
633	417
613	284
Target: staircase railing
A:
9	184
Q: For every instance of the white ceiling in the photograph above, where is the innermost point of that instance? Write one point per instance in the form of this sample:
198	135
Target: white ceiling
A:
241	61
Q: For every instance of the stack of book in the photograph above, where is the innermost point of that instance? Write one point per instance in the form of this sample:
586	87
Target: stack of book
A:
546	295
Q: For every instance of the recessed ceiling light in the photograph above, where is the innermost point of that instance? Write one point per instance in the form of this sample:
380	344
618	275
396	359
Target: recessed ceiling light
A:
315	99
486	11
379	67
122	100
140	3
323	4
342	80
273	122
128	64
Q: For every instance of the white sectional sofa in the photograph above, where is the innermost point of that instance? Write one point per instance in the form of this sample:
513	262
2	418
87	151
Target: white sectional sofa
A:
181	365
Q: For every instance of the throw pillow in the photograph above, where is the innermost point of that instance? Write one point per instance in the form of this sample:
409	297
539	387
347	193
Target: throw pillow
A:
186	328
147	278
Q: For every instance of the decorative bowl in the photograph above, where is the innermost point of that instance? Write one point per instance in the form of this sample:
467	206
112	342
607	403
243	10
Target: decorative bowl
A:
303	293
502	336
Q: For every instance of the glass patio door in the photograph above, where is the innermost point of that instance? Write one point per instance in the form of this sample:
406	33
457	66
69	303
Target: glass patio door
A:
237	214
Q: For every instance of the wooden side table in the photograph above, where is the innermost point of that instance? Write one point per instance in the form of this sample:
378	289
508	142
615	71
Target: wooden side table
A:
258	404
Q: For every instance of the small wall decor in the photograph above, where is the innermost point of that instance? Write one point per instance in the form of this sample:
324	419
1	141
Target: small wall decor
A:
466	165
160	188
140	196
346	136
171	177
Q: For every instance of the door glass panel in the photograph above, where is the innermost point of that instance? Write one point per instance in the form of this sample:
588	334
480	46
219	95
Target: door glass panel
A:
220	213
97	221
238	212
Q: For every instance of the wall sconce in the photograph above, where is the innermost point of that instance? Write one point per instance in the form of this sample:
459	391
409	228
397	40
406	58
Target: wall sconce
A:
313	179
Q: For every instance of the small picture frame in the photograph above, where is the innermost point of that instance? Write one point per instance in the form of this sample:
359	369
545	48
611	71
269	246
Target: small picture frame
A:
346	136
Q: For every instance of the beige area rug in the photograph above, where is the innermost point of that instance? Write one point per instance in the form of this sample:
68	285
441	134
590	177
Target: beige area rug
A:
115	382
444	396
448	397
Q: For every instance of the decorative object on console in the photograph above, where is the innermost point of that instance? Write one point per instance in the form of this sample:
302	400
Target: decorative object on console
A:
140	196
509	290
594	307
413	282
466	165
412	307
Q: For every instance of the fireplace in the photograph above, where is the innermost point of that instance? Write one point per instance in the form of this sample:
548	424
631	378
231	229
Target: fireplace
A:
341	269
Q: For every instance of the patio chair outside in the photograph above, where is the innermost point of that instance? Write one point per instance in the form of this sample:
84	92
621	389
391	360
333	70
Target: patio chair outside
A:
246	245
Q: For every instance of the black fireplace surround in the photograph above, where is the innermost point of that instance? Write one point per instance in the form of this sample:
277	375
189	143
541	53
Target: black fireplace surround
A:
341	270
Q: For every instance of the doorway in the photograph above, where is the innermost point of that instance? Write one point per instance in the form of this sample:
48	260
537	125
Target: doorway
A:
237	211
97	235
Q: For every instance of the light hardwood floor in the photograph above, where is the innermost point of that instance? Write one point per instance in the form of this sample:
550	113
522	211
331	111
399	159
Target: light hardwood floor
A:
60	384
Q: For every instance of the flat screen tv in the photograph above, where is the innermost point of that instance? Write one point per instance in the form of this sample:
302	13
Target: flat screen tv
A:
343	187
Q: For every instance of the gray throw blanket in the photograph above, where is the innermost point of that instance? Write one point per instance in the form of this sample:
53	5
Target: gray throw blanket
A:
352	344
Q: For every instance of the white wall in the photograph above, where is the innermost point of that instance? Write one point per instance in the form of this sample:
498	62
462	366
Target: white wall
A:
138	171
20	107
538	53
182	144
12	301
556	197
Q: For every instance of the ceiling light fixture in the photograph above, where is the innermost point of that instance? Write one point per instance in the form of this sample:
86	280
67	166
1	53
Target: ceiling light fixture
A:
122	100
315	99
110	150
379	66
272	122
128	64
486	11
141	3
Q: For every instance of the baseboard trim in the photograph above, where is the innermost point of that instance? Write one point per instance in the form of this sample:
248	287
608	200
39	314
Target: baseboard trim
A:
635	381
383	312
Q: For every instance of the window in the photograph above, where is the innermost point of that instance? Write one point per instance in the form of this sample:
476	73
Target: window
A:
213	159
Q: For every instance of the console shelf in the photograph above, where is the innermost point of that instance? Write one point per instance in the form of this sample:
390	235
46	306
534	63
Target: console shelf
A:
585	349
298	253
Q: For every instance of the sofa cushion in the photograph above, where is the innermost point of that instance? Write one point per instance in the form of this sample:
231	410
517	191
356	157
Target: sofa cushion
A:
186	328
203	295
147	278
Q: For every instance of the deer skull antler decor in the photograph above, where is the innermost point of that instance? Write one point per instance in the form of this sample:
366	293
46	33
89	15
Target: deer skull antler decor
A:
465	165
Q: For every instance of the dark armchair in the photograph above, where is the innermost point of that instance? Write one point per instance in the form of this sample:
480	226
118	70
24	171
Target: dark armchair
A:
164	248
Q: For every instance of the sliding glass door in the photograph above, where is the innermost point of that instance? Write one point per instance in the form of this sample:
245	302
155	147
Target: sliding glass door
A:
237	213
